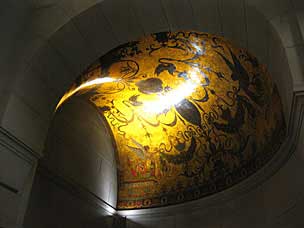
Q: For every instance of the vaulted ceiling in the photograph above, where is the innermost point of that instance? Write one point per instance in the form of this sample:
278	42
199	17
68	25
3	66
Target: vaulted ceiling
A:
189	115
51	42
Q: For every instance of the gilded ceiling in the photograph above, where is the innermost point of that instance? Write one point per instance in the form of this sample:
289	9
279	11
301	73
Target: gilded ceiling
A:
190	115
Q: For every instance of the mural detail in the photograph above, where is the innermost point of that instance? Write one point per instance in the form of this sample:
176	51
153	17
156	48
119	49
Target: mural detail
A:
190	114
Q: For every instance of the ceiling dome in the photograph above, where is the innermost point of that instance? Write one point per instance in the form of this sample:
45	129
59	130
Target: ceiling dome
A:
190	115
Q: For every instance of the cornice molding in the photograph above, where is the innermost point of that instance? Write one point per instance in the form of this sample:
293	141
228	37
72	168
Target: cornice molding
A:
298	88
16	146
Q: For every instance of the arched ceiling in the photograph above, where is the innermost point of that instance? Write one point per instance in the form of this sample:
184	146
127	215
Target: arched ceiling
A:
53	44
61	38
190	115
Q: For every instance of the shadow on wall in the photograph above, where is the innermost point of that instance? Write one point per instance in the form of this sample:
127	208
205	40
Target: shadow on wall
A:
79	149
132	224
52	205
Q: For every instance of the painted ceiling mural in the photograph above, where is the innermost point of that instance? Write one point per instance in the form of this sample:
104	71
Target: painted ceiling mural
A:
190	114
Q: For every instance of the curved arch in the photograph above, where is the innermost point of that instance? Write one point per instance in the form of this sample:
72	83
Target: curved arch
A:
58	56
61	50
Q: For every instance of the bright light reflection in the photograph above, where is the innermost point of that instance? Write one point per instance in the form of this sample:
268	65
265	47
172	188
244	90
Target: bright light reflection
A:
197	48
94	82
164	101
173	97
